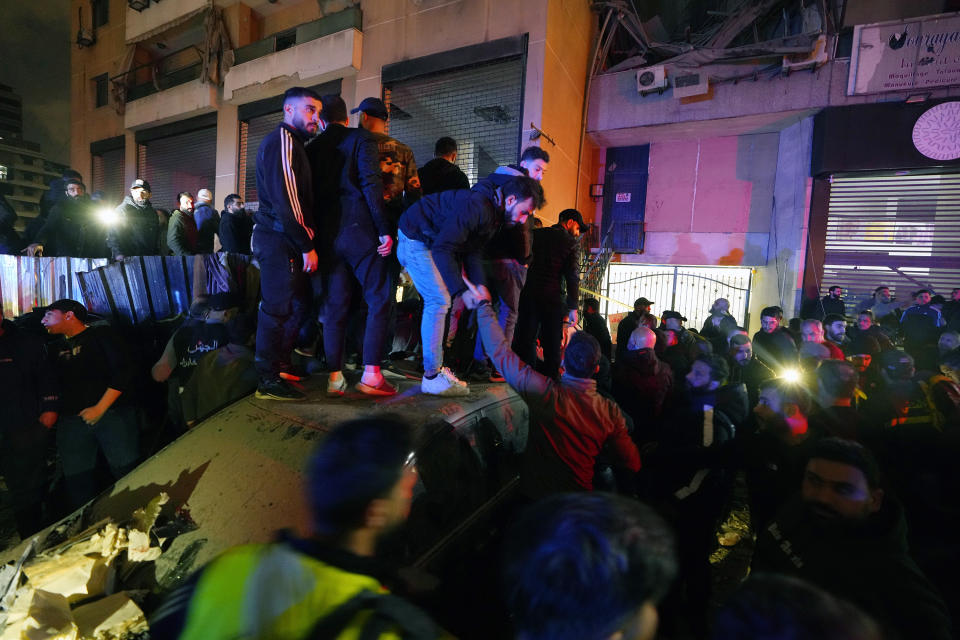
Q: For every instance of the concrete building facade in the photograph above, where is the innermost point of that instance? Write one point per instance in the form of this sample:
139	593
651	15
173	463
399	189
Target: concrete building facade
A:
138	102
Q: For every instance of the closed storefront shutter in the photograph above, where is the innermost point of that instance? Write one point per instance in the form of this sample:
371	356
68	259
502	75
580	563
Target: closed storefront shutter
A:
479	106
175	160
108	176
253	132
901	231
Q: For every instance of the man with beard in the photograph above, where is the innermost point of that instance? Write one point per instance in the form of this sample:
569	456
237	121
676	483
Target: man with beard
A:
835	332
745	368
544	305
884	306
436	234
844	535
832	303
71	228
283	241
773	344
182	228
236	226
834	387
136	231
356	243
812	331
360	484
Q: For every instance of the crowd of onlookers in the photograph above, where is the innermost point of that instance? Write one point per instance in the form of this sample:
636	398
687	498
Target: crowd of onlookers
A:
838	430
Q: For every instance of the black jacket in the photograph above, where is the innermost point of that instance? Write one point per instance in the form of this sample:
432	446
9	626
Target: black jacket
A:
284	189
556	260
28	383
69	226
345	166
441	175
10	241
208	223
509	243
864	562
136	232
777	349
452	224
235	231
596	325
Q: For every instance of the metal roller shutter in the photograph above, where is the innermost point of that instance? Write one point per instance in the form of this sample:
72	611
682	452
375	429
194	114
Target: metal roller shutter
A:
180	162
252	133
902	231
479	107
108	176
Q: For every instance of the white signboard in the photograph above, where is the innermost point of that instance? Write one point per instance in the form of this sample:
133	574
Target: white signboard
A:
624	197
905	55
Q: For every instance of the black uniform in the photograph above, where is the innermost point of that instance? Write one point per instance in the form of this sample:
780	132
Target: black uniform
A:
442	175
28	387
543	306
284	231
235	231
346	169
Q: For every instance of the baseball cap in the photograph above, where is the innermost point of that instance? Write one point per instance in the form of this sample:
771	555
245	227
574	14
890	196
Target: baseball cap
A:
582	355
673	314
643	301
140	183
65	304
204	194
373	107
573	214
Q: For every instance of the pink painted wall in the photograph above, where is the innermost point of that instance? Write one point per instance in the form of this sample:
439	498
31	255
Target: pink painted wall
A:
709	201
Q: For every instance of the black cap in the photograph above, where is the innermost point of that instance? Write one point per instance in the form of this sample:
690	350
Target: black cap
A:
673	314
573	214
65	304
373	107
643	302
140	183
582	355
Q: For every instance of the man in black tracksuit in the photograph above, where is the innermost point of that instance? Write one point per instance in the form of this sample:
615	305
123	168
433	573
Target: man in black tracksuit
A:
355	238
283	238
543	306
30	400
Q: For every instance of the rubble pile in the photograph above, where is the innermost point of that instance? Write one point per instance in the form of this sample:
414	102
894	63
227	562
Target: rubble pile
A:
74	589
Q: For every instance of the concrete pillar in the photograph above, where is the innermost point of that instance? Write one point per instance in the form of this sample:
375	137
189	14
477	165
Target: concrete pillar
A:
228	148
791	212
130	159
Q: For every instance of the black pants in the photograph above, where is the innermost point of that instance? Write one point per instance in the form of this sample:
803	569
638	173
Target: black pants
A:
23	463
284	292
543	318
358	262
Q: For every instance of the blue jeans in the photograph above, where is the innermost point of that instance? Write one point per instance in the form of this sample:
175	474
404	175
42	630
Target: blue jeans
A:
116	433
418	261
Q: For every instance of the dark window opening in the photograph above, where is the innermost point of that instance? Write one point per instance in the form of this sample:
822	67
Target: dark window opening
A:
102	94
101	12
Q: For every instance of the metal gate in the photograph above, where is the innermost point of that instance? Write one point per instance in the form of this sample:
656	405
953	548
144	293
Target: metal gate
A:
689	290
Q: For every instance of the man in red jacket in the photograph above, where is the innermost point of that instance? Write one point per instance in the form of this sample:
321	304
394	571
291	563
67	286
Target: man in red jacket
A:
570	423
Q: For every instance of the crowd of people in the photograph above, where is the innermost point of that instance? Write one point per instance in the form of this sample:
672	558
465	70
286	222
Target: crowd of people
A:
841	436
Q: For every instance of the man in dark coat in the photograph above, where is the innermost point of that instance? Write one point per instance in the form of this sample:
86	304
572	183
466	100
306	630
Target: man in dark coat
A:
236	226
355	241
136	230
773	344
544	306
596	325
642	383
71	228
208	221
844	535
832	303
639	316
442	235
442	173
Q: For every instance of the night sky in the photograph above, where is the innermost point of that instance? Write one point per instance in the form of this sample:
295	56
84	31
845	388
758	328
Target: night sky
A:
35	41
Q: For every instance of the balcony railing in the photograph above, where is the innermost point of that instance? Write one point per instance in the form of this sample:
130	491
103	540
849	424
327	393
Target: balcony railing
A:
179	67
351	18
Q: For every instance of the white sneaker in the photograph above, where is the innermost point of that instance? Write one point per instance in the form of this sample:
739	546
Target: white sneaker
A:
444	384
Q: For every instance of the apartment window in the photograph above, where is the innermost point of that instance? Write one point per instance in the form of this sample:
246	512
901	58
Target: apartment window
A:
101	12
3	172
100	84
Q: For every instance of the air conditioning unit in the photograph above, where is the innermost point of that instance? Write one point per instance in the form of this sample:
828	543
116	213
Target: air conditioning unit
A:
651	79
802	61
690	84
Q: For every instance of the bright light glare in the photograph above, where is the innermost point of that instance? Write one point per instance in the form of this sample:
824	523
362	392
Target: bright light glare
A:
107	216
790	375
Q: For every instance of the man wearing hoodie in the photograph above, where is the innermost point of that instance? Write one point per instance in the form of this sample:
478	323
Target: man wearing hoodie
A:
435	234
844	535
136	231
509	253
